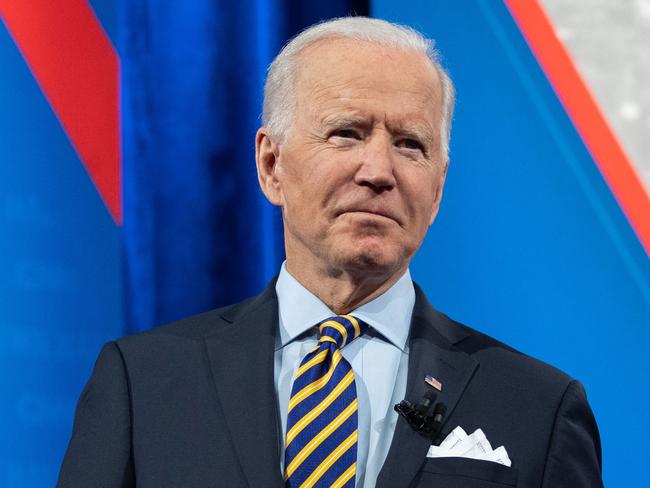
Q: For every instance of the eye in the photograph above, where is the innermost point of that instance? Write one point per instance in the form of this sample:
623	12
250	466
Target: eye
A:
410	144
346	134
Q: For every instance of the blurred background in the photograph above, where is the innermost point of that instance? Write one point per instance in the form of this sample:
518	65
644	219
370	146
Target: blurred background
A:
128	194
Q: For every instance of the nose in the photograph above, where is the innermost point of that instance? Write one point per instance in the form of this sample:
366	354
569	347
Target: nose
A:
377	165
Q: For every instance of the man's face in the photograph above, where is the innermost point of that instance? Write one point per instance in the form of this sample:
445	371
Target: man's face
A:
360	175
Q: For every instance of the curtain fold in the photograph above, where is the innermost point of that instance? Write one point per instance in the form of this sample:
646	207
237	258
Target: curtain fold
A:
198	232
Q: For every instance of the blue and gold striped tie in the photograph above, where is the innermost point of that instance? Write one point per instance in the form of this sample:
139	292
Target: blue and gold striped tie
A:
321	440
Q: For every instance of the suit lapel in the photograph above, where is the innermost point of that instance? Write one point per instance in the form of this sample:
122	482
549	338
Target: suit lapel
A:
241	358
431	352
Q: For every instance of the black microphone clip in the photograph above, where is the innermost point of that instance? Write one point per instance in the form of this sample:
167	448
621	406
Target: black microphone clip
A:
419	417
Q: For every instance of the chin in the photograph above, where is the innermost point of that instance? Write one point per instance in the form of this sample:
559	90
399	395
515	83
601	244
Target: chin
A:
370	260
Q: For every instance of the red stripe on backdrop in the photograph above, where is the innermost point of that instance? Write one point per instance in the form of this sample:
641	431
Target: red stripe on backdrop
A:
583	110
77	68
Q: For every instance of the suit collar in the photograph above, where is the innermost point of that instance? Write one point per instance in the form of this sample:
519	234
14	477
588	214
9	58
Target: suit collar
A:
442	331
432	352
241	361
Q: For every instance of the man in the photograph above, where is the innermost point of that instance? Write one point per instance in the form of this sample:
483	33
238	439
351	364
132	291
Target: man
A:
297	385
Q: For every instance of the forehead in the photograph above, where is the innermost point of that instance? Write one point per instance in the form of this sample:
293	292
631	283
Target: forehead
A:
345	74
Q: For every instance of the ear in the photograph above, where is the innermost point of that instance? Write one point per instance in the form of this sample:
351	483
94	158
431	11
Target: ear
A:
440	183
266	157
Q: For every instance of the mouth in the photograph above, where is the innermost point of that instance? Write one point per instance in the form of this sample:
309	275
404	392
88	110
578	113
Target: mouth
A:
379	213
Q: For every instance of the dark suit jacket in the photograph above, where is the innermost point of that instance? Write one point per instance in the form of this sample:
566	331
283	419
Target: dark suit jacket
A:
193	404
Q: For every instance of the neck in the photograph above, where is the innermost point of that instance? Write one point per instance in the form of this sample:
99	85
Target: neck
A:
342	290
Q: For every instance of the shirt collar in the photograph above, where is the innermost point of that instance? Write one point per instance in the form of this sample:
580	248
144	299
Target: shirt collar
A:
389	314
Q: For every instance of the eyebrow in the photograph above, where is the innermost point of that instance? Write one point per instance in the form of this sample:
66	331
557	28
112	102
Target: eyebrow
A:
417	132
339	120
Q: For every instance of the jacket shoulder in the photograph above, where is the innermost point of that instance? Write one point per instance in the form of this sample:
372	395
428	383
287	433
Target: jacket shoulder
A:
496	358
198	326
503	356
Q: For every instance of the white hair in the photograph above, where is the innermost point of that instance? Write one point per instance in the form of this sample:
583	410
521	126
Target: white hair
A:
279	101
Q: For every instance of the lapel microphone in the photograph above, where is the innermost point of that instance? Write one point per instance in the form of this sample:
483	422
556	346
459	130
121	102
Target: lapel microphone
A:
426	417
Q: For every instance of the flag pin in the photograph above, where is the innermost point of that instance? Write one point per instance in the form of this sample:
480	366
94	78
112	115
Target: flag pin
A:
430	380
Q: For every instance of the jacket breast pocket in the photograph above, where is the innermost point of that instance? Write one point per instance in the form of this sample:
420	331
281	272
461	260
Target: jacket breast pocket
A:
456	472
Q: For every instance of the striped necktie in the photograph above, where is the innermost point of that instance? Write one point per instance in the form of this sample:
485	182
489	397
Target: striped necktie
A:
321	440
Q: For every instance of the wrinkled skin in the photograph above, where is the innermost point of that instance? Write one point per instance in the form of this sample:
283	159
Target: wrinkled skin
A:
359	177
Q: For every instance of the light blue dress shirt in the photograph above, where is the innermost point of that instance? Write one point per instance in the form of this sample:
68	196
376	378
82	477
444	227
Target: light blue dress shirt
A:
379	359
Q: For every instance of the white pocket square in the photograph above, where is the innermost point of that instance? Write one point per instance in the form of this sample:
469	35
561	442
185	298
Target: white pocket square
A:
473	446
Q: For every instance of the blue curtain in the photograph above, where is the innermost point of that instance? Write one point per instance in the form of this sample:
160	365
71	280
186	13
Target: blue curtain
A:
198	232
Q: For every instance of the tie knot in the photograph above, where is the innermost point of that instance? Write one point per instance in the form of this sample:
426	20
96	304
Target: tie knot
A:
341	329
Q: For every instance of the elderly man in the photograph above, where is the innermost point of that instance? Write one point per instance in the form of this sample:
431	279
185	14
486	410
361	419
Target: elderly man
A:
296	386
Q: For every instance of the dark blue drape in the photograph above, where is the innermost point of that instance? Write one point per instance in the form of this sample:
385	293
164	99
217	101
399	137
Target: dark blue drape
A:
198	232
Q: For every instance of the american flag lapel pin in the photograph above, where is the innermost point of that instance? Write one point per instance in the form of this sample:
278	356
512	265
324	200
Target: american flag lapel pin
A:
431	381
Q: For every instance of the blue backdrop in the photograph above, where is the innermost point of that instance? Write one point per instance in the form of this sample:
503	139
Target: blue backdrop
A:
60	278
197	233
530	246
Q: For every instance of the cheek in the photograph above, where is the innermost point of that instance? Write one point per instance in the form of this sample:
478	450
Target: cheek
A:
303	195
303	166
316	180
419	190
